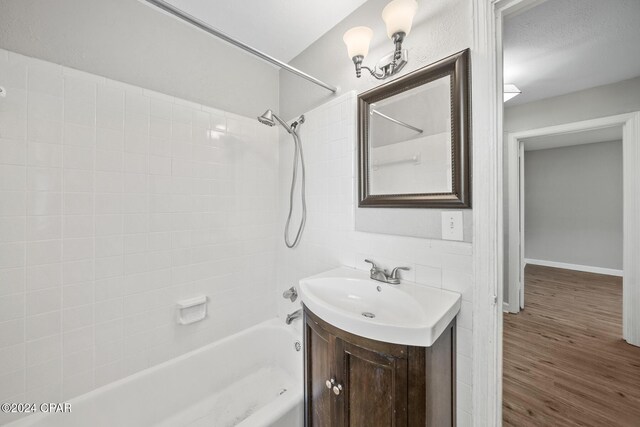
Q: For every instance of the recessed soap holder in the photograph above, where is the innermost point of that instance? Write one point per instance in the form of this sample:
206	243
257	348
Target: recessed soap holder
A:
191	310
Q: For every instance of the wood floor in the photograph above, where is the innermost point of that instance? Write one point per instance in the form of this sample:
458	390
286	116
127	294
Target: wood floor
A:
565	363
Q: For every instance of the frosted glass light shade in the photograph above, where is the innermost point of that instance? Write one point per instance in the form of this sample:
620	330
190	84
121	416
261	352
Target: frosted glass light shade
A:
398	16
357	40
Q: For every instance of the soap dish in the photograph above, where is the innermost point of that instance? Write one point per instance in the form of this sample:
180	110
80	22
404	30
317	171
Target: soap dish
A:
192	310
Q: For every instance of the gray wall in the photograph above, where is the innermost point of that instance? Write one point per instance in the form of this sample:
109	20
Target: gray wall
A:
573	205
441	28
128	41
602	101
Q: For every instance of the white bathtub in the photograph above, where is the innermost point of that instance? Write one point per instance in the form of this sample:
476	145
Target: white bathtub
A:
238	381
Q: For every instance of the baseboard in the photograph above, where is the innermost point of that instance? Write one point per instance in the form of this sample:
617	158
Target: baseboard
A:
505	306
576	267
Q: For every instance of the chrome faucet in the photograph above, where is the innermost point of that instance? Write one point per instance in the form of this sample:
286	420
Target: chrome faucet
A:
290	293
382	276
293	316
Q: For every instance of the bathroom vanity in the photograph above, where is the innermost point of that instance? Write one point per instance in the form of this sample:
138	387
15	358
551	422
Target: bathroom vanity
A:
377	355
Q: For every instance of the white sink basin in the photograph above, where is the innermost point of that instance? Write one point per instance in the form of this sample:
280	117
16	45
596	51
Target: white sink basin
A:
408	313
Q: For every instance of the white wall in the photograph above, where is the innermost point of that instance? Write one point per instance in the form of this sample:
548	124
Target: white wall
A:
441	28
129	41
115	202
414	166
573	205
330	239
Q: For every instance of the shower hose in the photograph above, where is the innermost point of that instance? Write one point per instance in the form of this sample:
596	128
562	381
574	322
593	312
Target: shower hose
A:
298	158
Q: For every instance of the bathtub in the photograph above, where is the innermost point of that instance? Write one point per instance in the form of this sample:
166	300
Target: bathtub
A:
250	379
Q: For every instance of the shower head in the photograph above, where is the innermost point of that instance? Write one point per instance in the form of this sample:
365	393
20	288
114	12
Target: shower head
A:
268	119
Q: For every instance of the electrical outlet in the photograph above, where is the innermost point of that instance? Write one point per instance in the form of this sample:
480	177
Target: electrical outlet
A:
452	227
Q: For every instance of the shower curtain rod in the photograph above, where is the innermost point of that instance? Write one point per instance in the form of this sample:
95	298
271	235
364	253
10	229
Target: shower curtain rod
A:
169	8
396	121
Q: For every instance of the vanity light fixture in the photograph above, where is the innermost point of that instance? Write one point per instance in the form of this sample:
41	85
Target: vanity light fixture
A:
398	17
511	91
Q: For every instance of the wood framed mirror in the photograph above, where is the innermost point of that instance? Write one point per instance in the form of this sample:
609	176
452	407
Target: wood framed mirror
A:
414	139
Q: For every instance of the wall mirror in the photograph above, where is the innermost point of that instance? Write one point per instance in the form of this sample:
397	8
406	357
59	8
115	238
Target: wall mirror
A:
413	137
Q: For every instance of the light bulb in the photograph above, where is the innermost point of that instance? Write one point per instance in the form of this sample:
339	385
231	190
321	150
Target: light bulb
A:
357	40
398	16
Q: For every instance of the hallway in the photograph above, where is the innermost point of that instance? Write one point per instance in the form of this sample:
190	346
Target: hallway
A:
565	363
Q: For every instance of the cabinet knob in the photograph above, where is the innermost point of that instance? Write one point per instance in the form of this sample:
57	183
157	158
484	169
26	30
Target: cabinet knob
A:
330	383
337	389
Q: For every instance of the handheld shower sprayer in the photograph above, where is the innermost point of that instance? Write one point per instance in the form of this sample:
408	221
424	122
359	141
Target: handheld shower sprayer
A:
269	118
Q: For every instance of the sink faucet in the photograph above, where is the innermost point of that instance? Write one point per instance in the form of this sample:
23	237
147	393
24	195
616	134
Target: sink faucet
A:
382	275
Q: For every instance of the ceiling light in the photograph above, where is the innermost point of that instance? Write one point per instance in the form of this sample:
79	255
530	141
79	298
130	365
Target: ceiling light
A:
398	16
511	91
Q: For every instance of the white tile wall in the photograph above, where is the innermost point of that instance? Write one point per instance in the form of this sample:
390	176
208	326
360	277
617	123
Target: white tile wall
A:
115	202
330	239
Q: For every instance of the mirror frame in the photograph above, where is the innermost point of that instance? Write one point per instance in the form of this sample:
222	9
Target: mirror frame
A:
458	68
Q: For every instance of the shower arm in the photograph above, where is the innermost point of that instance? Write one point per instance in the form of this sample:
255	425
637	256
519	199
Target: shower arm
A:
178	13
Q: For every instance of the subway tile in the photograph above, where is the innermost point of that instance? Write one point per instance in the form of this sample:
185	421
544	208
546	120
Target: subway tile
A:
43	350
77	363
12	359
12	280
77	294
45	78
12	202
44	228
43	203
44	252
13	152
75	385
13	177
46	373
77	340
458	282
78	181
78	157
78	271
44	155
12	229
12	255
79	136
12	332
78	203
43	276
13	383
44	179
42	325
12	307
46	131
43	301
77	317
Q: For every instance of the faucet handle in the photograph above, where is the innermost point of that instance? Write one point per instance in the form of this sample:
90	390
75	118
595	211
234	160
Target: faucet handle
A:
394	272
374	267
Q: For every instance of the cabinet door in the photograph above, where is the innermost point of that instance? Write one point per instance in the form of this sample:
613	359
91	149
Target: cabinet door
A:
374	386
318	367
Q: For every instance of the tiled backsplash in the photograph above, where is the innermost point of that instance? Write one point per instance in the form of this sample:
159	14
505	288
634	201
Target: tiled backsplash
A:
330	240
115	202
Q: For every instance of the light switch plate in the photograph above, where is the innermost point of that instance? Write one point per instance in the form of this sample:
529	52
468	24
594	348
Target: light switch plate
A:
452	227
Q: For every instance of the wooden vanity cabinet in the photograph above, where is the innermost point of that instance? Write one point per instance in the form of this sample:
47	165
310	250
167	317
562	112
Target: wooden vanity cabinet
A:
376	384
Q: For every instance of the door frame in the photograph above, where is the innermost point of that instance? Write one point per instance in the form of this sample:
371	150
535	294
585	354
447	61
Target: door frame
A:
630	123
488	243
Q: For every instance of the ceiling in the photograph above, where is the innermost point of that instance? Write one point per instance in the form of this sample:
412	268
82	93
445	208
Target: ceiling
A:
280	28
593	136
563	46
